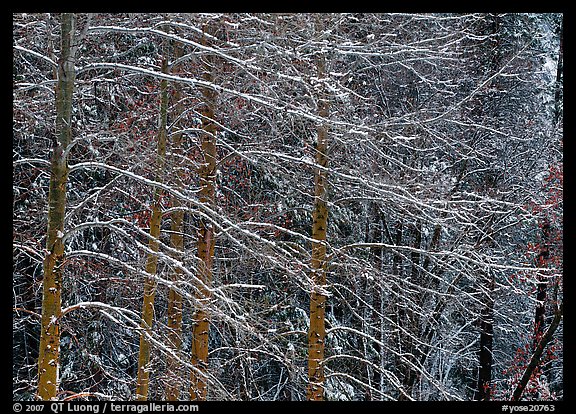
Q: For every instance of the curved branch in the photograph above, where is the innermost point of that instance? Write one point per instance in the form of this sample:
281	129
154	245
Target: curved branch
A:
537	355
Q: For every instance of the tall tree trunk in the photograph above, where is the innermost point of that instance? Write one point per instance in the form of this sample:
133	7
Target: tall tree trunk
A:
412	323
206	241
317	331
485	357
177	241
152	259
544	253
483	389
48	358
375	235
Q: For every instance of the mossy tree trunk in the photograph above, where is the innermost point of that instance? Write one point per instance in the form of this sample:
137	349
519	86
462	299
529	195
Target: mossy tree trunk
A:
48	358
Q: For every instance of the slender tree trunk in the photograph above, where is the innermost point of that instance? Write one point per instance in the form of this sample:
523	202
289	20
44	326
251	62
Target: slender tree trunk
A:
175	310
485	357
317	331
375	235
152	259
483	389
537	354
541	285
49	358
415	255
434	243
544	253
206	241
402	315
177	241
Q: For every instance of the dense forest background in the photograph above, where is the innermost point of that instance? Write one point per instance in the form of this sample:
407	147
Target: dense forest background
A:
287	206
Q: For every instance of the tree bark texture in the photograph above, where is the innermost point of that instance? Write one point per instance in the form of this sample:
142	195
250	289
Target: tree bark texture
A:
206	241
317	331
152	259
49	358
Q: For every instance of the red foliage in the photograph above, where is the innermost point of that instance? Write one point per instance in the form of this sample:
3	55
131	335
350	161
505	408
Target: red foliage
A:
535	389
546	252
142	218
